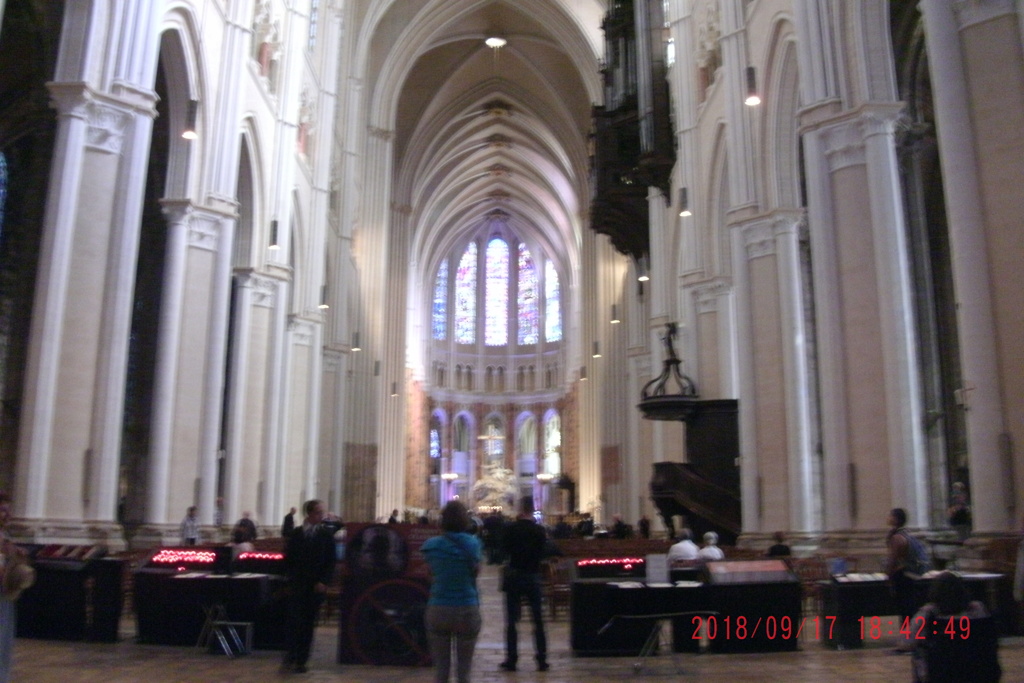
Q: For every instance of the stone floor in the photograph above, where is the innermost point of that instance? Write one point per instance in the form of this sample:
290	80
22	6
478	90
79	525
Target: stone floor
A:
62	662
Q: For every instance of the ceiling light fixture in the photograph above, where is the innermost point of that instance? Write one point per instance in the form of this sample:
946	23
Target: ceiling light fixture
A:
273	235
684	202
191	114
495	42
642	274
753	99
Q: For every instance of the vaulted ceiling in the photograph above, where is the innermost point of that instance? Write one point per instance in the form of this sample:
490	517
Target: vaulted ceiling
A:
478	128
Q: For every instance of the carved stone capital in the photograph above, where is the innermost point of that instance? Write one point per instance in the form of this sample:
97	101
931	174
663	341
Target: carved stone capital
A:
70	99
334	360
759	239
107	121
177	210
107	125
844	146
301	330
262	288
706	295
204	232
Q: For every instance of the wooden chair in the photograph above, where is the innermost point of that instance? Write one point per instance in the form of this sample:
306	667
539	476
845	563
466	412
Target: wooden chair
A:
811	571
333	596
556	578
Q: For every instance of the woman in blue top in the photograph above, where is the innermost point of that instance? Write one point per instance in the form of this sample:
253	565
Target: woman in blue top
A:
453	610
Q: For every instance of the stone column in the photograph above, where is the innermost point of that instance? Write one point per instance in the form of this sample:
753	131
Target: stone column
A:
158	509
373	243
778	476
739	133
971	276
272	295
83	124
816	51
872	430
332	428
118	299
275	399
238	389
190	363
213	381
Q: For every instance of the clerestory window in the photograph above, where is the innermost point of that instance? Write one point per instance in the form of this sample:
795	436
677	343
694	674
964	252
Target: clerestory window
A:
497	288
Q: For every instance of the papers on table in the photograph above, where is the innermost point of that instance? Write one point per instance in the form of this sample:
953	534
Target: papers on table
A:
638	584
854	577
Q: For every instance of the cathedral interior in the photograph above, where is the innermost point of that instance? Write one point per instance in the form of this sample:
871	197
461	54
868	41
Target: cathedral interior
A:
384	253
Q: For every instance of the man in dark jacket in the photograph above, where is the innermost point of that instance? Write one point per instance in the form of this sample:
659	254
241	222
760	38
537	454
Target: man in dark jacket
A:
524	543
288	524
309	567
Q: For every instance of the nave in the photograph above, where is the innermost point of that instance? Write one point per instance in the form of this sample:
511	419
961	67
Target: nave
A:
40	661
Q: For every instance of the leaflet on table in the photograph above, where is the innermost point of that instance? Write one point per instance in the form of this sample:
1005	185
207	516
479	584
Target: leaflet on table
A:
854	577
638	584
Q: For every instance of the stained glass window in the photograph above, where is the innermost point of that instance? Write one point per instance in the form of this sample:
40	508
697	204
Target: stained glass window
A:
435	443
552	311
496	296
495	442
553	444
440	311
514	302
465	297
461	434
314	20
529	324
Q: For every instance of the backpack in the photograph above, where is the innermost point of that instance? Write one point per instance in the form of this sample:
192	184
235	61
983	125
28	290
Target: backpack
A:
918	560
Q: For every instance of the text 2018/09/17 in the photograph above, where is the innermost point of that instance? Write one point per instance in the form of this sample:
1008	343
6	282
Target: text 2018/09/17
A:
781	628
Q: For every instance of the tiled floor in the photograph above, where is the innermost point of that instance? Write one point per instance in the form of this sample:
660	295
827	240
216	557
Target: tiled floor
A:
125	661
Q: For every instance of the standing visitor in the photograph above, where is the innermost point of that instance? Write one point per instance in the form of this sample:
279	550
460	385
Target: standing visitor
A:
619	528
247	525
494	524
959	513
190	527
288	524
309	568
902	564
644	527
524	544
453	609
